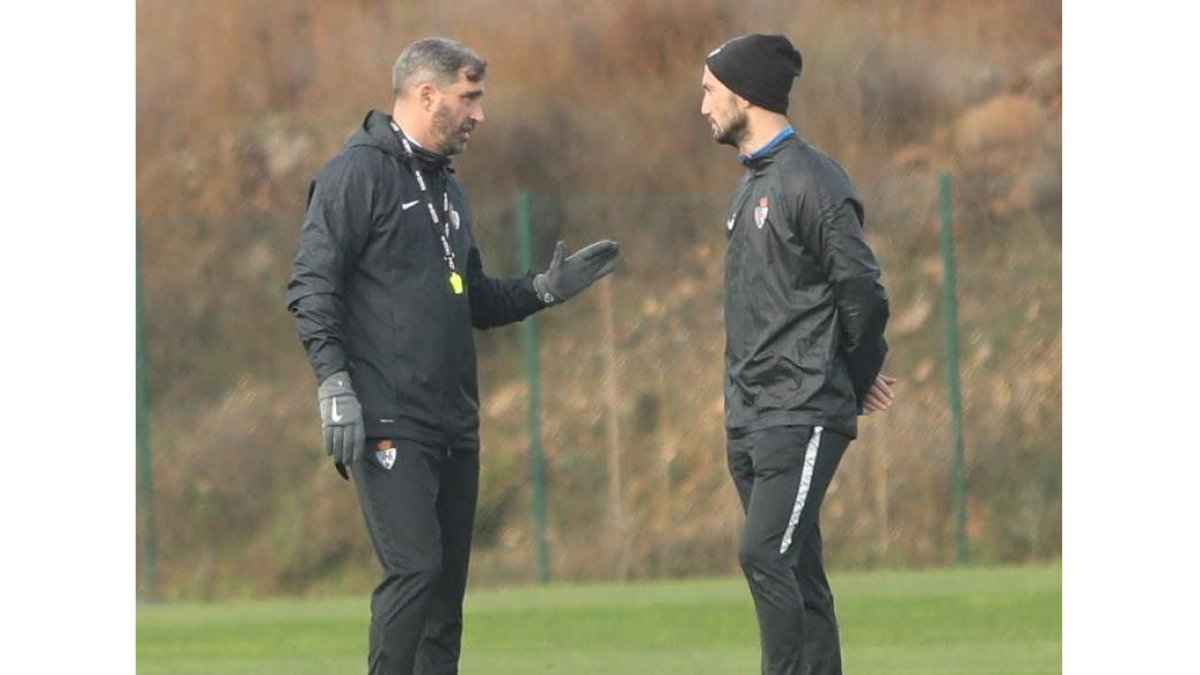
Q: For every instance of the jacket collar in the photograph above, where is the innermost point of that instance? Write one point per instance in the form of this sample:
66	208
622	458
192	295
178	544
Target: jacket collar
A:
377	131
427	159
763	156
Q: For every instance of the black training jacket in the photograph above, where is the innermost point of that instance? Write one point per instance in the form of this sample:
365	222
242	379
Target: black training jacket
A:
371	295
804	306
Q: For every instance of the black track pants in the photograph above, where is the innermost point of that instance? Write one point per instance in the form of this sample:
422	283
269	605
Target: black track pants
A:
781	475
419	514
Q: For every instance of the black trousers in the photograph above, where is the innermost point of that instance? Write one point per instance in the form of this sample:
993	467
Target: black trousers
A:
781	475
420	514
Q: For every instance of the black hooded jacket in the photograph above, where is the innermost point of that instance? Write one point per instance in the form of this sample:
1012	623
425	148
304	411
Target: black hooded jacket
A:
804	306
371	294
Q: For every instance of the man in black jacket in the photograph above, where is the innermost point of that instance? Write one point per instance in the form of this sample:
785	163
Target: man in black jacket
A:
804	318
385	290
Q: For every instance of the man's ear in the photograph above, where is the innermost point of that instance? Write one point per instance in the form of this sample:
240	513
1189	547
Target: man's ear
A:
426	95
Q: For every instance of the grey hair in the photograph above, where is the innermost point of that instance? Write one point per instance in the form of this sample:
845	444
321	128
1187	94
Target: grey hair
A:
438	60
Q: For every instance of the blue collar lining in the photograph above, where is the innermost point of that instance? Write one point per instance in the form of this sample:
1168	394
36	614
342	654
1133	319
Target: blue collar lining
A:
784	133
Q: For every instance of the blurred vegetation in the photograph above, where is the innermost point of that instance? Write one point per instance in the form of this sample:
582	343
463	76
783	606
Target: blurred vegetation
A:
594	107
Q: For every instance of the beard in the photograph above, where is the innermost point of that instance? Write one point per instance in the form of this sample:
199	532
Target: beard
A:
735	131
450	140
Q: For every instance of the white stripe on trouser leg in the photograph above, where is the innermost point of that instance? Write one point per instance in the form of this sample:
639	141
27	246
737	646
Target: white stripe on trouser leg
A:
810	461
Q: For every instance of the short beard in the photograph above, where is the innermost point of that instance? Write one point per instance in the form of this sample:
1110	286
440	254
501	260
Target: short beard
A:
448	143
737	131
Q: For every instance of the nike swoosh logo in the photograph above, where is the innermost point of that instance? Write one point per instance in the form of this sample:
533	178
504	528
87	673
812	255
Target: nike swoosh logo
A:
334	412
729	223
409	205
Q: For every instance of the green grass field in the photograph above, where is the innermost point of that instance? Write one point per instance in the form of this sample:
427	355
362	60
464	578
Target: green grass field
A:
954	621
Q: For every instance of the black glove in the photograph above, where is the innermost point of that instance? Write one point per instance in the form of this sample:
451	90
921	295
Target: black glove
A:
341	421
567	277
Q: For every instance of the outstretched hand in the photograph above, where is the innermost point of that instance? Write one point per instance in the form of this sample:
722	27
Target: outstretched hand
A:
568	275
880	395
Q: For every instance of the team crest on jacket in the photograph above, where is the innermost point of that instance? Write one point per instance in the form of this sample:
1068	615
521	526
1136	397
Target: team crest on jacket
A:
760	213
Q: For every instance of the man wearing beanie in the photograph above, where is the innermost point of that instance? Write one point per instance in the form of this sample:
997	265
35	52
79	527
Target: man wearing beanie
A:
804	317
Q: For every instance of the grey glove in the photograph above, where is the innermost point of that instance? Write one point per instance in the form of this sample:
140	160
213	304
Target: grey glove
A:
341	421
581	269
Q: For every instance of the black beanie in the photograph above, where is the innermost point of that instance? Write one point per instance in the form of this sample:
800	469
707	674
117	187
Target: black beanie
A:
759	68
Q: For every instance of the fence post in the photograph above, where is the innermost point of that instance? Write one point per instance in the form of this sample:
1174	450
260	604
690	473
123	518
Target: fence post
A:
950	317
529	349
145	478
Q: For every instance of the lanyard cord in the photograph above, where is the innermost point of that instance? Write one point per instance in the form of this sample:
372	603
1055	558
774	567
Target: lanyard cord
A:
444	231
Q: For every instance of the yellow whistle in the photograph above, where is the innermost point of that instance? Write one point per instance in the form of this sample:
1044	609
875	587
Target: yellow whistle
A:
456	283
